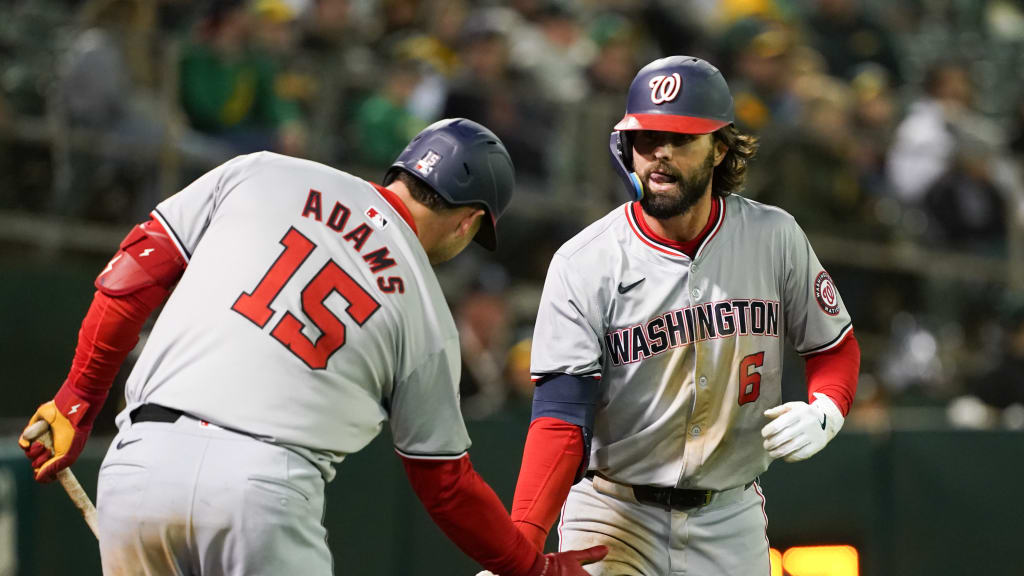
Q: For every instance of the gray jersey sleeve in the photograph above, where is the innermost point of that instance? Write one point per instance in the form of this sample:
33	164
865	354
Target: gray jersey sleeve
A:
425	418
187	214
816	319
566	335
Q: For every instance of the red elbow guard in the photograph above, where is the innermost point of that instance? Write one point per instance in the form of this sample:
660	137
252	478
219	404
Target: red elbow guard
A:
148	257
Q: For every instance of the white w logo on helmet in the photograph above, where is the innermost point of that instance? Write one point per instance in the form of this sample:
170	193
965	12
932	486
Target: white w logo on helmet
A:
665	88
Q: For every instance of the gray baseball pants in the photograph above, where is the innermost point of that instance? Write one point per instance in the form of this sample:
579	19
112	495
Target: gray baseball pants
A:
191	499
724	538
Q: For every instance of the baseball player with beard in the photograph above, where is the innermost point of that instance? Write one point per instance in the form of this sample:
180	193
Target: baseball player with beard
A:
304	315
657	351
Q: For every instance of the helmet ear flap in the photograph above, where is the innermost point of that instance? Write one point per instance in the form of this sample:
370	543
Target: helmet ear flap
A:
625	149
621	150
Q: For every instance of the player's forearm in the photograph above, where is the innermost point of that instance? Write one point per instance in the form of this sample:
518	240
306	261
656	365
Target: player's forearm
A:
551	458
109	332
471	515
834	373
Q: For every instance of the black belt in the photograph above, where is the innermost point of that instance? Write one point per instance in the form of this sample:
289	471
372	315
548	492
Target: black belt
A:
673	498
154	413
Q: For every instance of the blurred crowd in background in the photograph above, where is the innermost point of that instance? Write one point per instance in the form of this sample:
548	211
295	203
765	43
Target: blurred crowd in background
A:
893	131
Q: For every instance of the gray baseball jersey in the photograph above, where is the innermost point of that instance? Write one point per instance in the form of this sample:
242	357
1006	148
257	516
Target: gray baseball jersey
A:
307	316
688	352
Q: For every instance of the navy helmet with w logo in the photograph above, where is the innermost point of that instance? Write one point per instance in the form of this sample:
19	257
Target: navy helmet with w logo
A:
680	94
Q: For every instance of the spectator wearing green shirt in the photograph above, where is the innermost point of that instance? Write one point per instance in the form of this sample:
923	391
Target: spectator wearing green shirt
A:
384	123
228	89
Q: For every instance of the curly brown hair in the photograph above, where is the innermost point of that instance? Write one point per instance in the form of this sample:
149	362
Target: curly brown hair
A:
731	173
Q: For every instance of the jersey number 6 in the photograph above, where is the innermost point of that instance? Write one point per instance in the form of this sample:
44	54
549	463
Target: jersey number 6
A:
750	379
255	305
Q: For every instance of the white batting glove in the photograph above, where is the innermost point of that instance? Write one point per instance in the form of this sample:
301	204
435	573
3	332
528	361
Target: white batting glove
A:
799	430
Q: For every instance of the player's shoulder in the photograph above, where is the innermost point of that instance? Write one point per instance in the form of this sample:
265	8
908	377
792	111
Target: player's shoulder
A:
754	214
266	160
748	207
595	237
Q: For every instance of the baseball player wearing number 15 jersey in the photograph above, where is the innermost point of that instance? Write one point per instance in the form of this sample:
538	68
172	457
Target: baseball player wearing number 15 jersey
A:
658	348
305	315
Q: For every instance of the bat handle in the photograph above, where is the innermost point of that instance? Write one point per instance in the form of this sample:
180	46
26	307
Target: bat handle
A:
40	432
81	500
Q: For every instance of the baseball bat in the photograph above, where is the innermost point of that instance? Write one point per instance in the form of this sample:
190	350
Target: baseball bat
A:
40	431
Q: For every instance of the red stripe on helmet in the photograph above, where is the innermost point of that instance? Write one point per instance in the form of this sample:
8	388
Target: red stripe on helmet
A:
670	123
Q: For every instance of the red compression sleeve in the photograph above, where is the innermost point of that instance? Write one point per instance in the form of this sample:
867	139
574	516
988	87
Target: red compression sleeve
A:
834	373
471	515
135	282
109	332
553	453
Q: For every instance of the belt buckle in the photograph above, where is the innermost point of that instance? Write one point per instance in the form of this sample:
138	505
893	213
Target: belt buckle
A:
688	504
667	499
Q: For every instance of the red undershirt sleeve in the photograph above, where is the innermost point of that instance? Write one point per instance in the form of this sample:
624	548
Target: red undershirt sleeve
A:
471	515
834	373
553	453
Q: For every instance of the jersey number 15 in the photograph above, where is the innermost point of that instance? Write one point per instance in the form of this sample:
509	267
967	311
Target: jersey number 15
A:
331	278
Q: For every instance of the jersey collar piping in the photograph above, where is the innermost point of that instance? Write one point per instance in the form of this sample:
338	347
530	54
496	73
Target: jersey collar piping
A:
398	205
662	245
714	229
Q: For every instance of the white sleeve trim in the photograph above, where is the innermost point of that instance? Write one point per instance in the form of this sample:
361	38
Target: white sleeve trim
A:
830	345
172	233
595	374
411	456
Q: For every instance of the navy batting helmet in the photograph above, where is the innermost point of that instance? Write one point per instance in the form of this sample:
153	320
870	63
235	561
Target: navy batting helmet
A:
675	94
465	163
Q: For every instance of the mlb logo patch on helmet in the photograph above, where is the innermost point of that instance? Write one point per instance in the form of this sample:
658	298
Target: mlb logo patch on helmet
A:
427	163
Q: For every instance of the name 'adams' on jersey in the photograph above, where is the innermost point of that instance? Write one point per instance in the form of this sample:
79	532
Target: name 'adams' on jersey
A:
308	314
687	352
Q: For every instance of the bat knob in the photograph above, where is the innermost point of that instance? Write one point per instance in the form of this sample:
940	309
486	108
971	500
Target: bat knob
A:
39	430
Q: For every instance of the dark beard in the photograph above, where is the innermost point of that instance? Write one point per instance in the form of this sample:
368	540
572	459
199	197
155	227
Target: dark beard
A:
667	205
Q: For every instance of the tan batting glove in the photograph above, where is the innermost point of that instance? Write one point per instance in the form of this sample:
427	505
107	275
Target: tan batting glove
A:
799	430
69	426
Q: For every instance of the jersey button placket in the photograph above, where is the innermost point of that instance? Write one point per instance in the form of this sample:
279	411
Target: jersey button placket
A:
693	282
699	408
